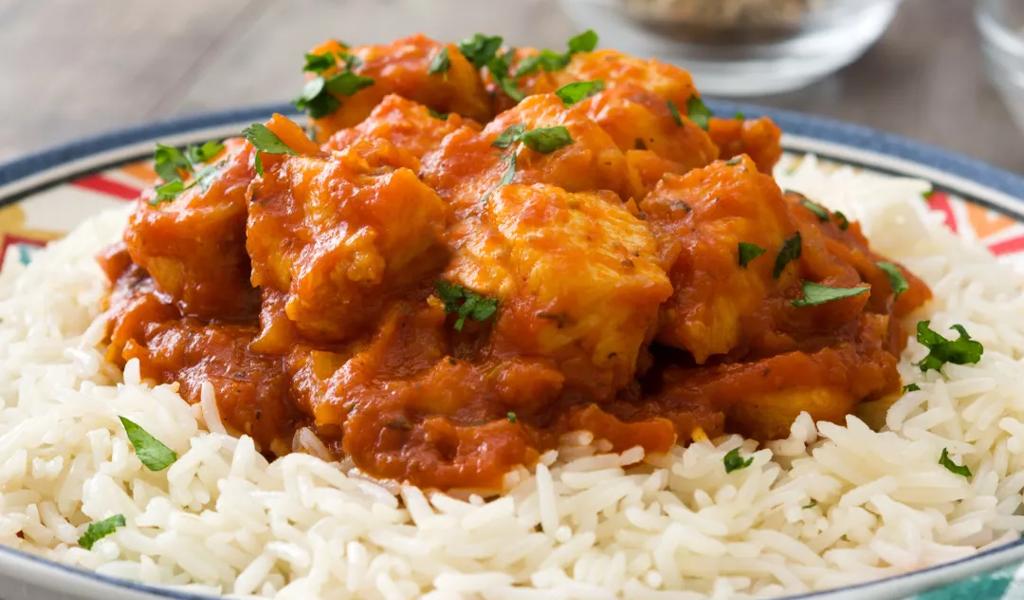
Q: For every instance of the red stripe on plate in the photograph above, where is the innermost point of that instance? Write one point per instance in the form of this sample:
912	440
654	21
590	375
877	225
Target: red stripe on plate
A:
1010	246
940	201
99	183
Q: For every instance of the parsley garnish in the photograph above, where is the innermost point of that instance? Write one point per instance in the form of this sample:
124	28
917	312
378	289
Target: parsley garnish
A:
790	251
911	387
698	112
437	115
571	93
549	60
732	162
748	252
674	111
151	451
739	116
264	140
547	139
951	466
319	95
169	162
465	303
167	192
511	416
510	169
734	462
98	530
318	63
844	223
960	351
897	281
204	153
440	63
815	293
512	134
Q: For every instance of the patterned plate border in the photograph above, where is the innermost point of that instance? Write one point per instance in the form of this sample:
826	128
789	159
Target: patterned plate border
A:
978	201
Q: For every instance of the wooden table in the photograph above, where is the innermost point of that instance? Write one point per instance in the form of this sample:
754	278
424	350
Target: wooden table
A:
69	68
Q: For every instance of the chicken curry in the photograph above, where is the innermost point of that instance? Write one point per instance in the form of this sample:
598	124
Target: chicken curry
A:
477	249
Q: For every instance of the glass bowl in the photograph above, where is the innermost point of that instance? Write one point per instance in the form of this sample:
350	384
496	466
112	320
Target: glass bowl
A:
1001	23
741	47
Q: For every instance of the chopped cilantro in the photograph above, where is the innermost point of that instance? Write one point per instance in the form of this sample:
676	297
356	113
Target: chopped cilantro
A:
510	169
897	281
440	63
465	303
961	351
674	111
437	115
264	140
318	63
739	116
204	153
167	192
512	134
151	451
571	93
819	211
748	252
951	466
844	223
169	162
480	48
789	252
815	293
734	462
911	387
511	416
98	530
347	83
698	112
584	42
547	139
732	162
319	95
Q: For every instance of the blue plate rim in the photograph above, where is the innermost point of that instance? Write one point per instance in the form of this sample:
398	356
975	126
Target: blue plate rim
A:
37	164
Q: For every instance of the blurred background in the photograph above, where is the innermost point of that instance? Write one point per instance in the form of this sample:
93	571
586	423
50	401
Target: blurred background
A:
70	68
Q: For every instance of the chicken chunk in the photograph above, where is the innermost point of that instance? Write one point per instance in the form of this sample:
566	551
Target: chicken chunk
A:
341	234
576	278
194	246
403	67
760	139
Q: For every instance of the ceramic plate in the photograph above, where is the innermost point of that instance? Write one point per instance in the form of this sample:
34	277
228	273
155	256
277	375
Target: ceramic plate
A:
44	195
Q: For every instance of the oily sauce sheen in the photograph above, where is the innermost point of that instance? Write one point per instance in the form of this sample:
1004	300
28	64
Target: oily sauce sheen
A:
308	296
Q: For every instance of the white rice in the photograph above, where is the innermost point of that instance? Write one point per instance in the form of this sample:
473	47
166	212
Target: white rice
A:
825	507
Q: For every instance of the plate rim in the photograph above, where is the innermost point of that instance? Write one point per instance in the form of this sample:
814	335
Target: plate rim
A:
845	142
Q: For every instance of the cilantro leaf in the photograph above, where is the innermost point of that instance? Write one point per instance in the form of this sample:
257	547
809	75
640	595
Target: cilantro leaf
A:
510	169
549	60
437	115
151	451
734	462
499	68
547	139
464	303
571	93
347	83
739	116
790	251
897	281
168	161
480	48
698	112
98	530
512	134
511	416
819	211
748	252
167	192
961	351
318	63
440	63
844	223
911	387
674	111
815	293
951	466
204	153
264	140
315	101
584	42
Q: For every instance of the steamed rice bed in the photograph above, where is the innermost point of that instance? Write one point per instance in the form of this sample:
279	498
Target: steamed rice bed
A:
827	506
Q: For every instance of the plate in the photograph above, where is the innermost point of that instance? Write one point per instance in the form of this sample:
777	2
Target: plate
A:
44	195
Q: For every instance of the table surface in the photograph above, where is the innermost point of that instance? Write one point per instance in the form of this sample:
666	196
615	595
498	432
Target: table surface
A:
71	68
